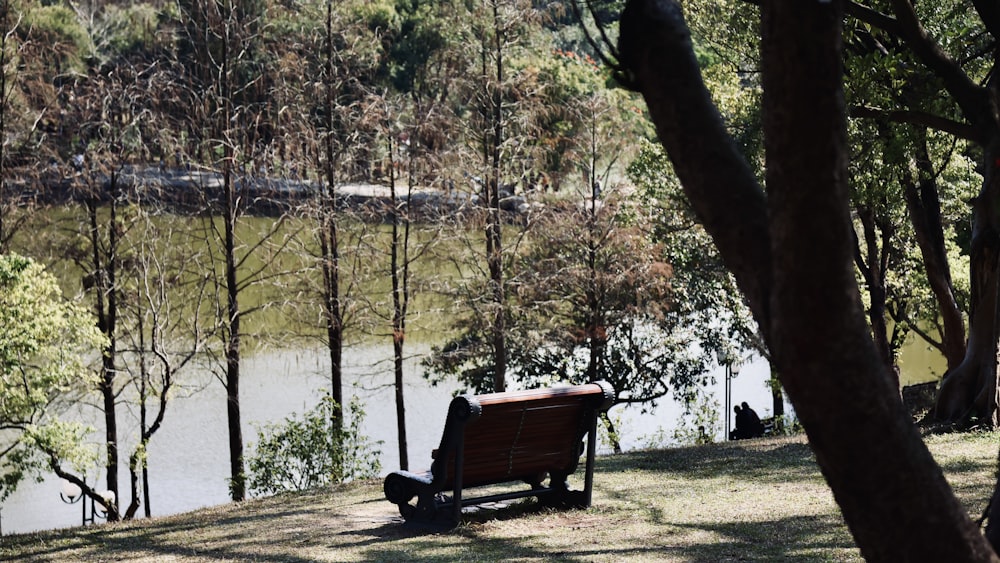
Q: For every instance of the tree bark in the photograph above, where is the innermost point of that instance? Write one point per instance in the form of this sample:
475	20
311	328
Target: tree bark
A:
970	387
494	243
106	304
986	321
6	205
873	270
494	238
237	477
970	390
399	305
237	484
791	254
924	208
330	244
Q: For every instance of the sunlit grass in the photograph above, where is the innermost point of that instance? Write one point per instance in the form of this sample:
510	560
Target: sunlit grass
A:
759	500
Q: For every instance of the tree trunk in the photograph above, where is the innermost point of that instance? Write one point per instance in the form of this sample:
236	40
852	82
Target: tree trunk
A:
872	266
237	487
924	208
777	401
133	480
106	304
225	133
616	443
398	311
6	206
146	508
970	390
791	254
330	244
111	424
974	383
330	265
237	483
494	240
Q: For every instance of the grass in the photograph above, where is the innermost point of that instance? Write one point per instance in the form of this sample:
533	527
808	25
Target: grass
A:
757	500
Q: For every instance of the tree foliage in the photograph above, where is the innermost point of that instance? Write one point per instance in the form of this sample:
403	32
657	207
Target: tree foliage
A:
46	344
593	290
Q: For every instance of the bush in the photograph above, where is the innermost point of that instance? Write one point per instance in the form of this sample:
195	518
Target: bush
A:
304	453
129	29
62	43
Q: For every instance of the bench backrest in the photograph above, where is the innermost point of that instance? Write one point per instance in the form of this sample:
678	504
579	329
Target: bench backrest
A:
518	435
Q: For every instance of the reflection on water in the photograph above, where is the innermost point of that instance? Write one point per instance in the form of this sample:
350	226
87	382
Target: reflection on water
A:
189	459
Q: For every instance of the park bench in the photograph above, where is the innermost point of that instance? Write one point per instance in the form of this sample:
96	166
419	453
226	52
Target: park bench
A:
519	436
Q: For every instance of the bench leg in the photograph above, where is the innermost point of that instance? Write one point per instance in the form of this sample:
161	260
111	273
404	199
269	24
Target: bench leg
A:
456	497
588	480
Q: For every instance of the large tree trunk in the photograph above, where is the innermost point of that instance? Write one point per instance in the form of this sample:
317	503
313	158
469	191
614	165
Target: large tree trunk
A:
791	254
970	390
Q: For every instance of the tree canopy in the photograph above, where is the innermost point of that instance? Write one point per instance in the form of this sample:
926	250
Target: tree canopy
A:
45	342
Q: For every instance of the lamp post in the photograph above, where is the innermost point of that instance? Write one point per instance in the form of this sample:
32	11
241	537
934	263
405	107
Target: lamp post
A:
732	370
72	494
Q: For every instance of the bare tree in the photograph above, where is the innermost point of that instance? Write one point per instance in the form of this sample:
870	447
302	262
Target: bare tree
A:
222	41
112	132
10	200
167	326
497	27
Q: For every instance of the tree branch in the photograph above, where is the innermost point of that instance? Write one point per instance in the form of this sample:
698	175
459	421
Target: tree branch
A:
956	128
110	507
604	47
870	16
970	97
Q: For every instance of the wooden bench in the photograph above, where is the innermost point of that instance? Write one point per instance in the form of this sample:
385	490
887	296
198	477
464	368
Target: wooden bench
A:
520	436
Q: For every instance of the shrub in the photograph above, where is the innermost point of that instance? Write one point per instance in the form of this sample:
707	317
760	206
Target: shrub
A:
61	42
304	453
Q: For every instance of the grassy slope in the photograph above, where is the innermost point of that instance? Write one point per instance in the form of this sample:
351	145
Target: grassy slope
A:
761	500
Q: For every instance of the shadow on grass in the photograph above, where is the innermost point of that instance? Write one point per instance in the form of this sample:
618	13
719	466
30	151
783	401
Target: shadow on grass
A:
972	480
959	467
798	538
793	538
785	459
467	542
166	539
